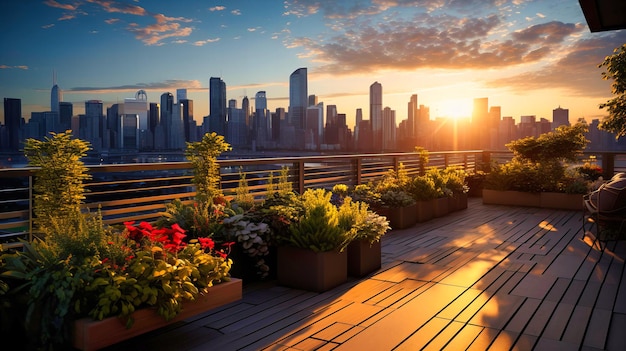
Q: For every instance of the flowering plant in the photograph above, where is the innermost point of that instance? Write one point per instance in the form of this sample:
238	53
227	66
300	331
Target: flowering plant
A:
396	198
142	266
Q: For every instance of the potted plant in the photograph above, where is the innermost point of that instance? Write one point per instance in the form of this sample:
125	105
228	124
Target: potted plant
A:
82	272
311	255
455	181
422	189
367	227
393	200
538	170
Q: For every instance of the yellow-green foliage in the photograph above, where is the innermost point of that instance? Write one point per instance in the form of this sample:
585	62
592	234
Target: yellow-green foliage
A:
59	181
318	229
203	157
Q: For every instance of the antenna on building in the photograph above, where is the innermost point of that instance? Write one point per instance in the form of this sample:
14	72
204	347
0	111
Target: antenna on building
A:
54	77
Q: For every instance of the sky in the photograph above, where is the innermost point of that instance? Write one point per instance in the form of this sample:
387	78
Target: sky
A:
526	56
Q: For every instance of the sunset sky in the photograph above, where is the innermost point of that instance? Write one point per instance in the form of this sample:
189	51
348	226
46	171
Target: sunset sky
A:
529	57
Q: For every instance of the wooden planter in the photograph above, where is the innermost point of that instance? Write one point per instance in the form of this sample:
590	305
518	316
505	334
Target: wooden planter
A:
424	211
559	201
457	202
363	258
92	334
511	198
440	207
562	201
400	217
308	270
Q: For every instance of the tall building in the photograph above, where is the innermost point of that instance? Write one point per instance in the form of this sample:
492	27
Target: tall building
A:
480	124
66	111
165	121
217	106
91	127
181	94
560	117
389	129
412	117
188	121
376	115
12	121
245	106
298	97
56	95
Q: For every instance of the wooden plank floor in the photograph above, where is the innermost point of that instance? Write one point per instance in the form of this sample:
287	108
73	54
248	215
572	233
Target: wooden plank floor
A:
486	278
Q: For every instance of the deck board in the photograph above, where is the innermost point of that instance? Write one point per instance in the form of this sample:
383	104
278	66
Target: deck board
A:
486	278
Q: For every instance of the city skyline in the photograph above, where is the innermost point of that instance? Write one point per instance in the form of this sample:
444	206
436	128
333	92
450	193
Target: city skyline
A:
526	56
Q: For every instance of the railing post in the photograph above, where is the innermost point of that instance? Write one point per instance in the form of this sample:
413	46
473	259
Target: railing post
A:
608	165
30	208
358	168
486	160
299	165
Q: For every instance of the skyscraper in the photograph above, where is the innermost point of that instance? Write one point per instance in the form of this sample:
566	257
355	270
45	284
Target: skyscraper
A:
376	115
56	95
217	107
12	119
167	109
560	117
298	97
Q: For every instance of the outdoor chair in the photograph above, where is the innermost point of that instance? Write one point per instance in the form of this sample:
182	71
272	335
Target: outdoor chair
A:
604	210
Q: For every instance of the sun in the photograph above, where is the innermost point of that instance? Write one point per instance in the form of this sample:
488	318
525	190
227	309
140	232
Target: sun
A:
456	108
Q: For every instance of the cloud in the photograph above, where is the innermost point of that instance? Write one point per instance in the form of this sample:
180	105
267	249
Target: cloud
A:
165	27
111	20
58	5
48	26
118	7
13	67
67	17
168	85
204	42
572	72
432	41
217	8
236	12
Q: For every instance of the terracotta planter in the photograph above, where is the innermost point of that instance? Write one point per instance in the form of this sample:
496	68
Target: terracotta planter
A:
308	270
92	334
457	202
511	198
400	217
363	258
440	207
424	211
562	201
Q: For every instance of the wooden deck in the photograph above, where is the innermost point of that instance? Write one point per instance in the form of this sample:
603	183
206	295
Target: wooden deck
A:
486	278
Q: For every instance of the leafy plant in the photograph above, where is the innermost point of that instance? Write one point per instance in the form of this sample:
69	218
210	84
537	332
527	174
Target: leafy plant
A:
615	66
422	188
203	157
59	180
318	227
360	222
396	198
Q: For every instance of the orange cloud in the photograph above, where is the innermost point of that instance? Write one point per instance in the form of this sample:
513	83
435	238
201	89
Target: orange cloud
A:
58	5
114	6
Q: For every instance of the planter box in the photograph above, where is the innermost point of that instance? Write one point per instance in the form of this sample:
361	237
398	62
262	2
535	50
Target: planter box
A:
560	201
313	271
511	198
457	202
424	211
400	217
440	207
92	334
363	258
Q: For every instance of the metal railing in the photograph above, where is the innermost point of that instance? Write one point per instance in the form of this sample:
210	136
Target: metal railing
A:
140	191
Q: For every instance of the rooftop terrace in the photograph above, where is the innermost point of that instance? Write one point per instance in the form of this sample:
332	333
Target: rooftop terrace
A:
489	277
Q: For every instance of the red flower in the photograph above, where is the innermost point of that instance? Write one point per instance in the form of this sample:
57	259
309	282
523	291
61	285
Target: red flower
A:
207	243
